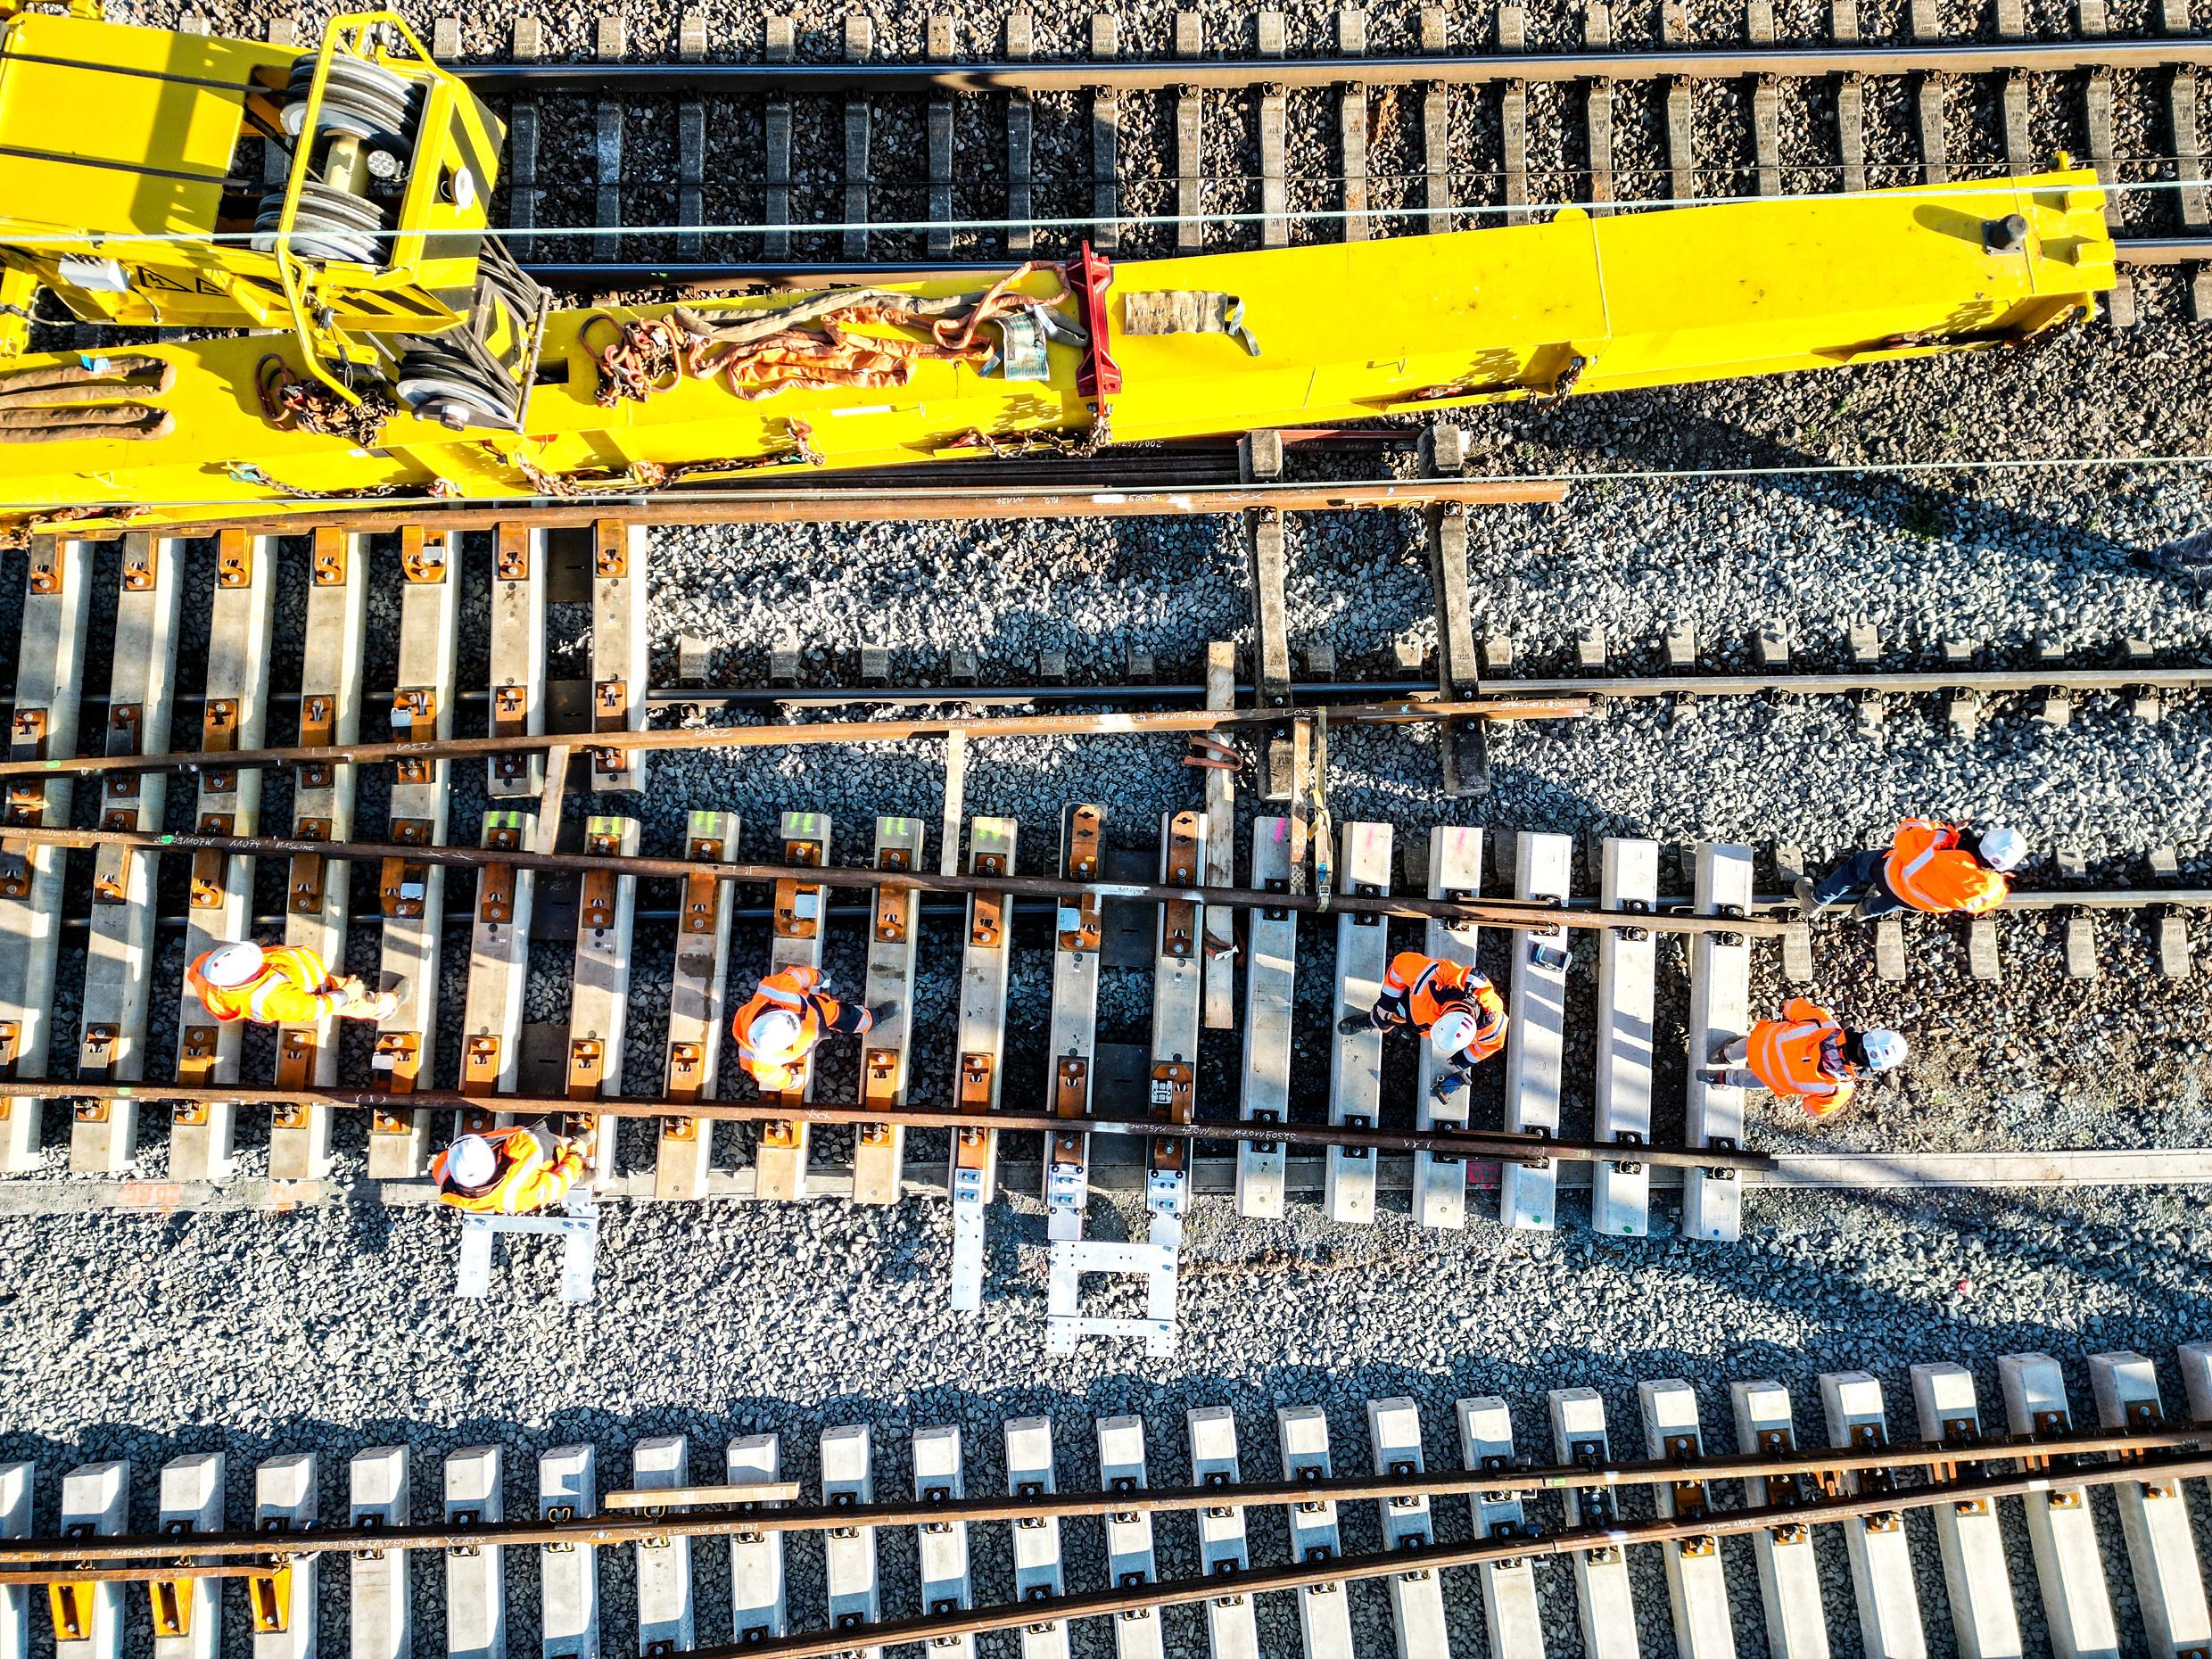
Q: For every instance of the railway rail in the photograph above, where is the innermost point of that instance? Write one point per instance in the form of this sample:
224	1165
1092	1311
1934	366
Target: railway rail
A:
1221	956
829	1577
1200	150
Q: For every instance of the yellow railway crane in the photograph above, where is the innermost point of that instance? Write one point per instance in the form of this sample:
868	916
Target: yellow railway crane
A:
348	398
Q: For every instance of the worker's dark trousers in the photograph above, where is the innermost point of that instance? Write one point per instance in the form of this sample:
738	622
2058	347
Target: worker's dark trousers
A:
1858	875
850	1020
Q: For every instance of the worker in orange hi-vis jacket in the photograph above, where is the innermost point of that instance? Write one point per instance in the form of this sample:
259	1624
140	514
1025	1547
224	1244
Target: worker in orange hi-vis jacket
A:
1936	868
1456	1007
281	984
790	1012
1807	1055
510	1172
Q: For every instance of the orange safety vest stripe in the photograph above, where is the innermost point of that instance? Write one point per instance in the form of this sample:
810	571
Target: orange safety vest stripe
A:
287	991
1929	870
525	1181
1786	1055
792	990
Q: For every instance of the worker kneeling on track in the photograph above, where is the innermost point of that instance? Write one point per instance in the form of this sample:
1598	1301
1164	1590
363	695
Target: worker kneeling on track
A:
1929	866
791	1012
281	984
1456	1008
1807	1056
510	1172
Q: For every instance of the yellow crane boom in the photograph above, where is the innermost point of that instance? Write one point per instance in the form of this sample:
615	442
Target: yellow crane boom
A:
1074	357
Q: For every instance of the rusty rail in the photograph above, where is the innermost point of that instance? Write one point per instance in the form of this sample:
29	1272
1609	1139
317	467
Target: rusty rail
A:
1168	722
1493	1146
50	1553
1494	912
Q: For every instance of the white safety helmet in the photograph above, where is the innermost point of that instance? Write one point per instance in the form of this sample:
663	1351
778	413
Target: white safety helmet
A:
775	1033
231	966
2003	848
1885	1049
471	1162
1454	1030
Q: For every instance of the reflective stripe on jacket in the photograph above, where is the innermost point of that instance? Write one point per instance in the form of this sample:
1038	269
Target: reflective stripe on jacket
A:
1420	989
293	988
793	991
1802	1055
526	1180
1928	869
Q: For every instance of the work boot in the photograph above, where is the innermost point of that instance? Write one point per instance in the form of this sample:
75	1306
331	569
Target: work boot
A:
1806	902
882	1012
1352	1024
1864	910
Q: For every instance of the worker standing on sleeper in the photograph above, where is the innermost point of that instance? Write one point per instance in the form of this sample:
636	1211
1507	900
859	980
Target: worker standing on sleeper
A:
1938	867
1456	1008
281	984
510	1172
1807	1056
791	1012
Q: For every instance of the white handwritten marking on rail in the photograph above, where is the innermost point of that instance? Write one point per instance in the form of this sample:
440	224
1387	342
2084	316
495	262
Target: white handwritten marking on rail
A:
1108	497
1115	890
1116	723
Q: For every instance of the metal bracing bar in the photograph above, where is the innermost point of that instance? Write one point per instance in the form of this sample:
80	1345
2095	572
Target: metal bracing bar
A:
1495	912
119	960
2150	1454
609	743
1490	1145
235	714
317	907
697	1006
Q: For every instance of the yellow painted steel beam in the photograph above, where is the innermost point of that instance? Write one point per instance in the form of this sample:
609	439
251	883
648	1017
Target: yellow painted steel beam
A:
1344	332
